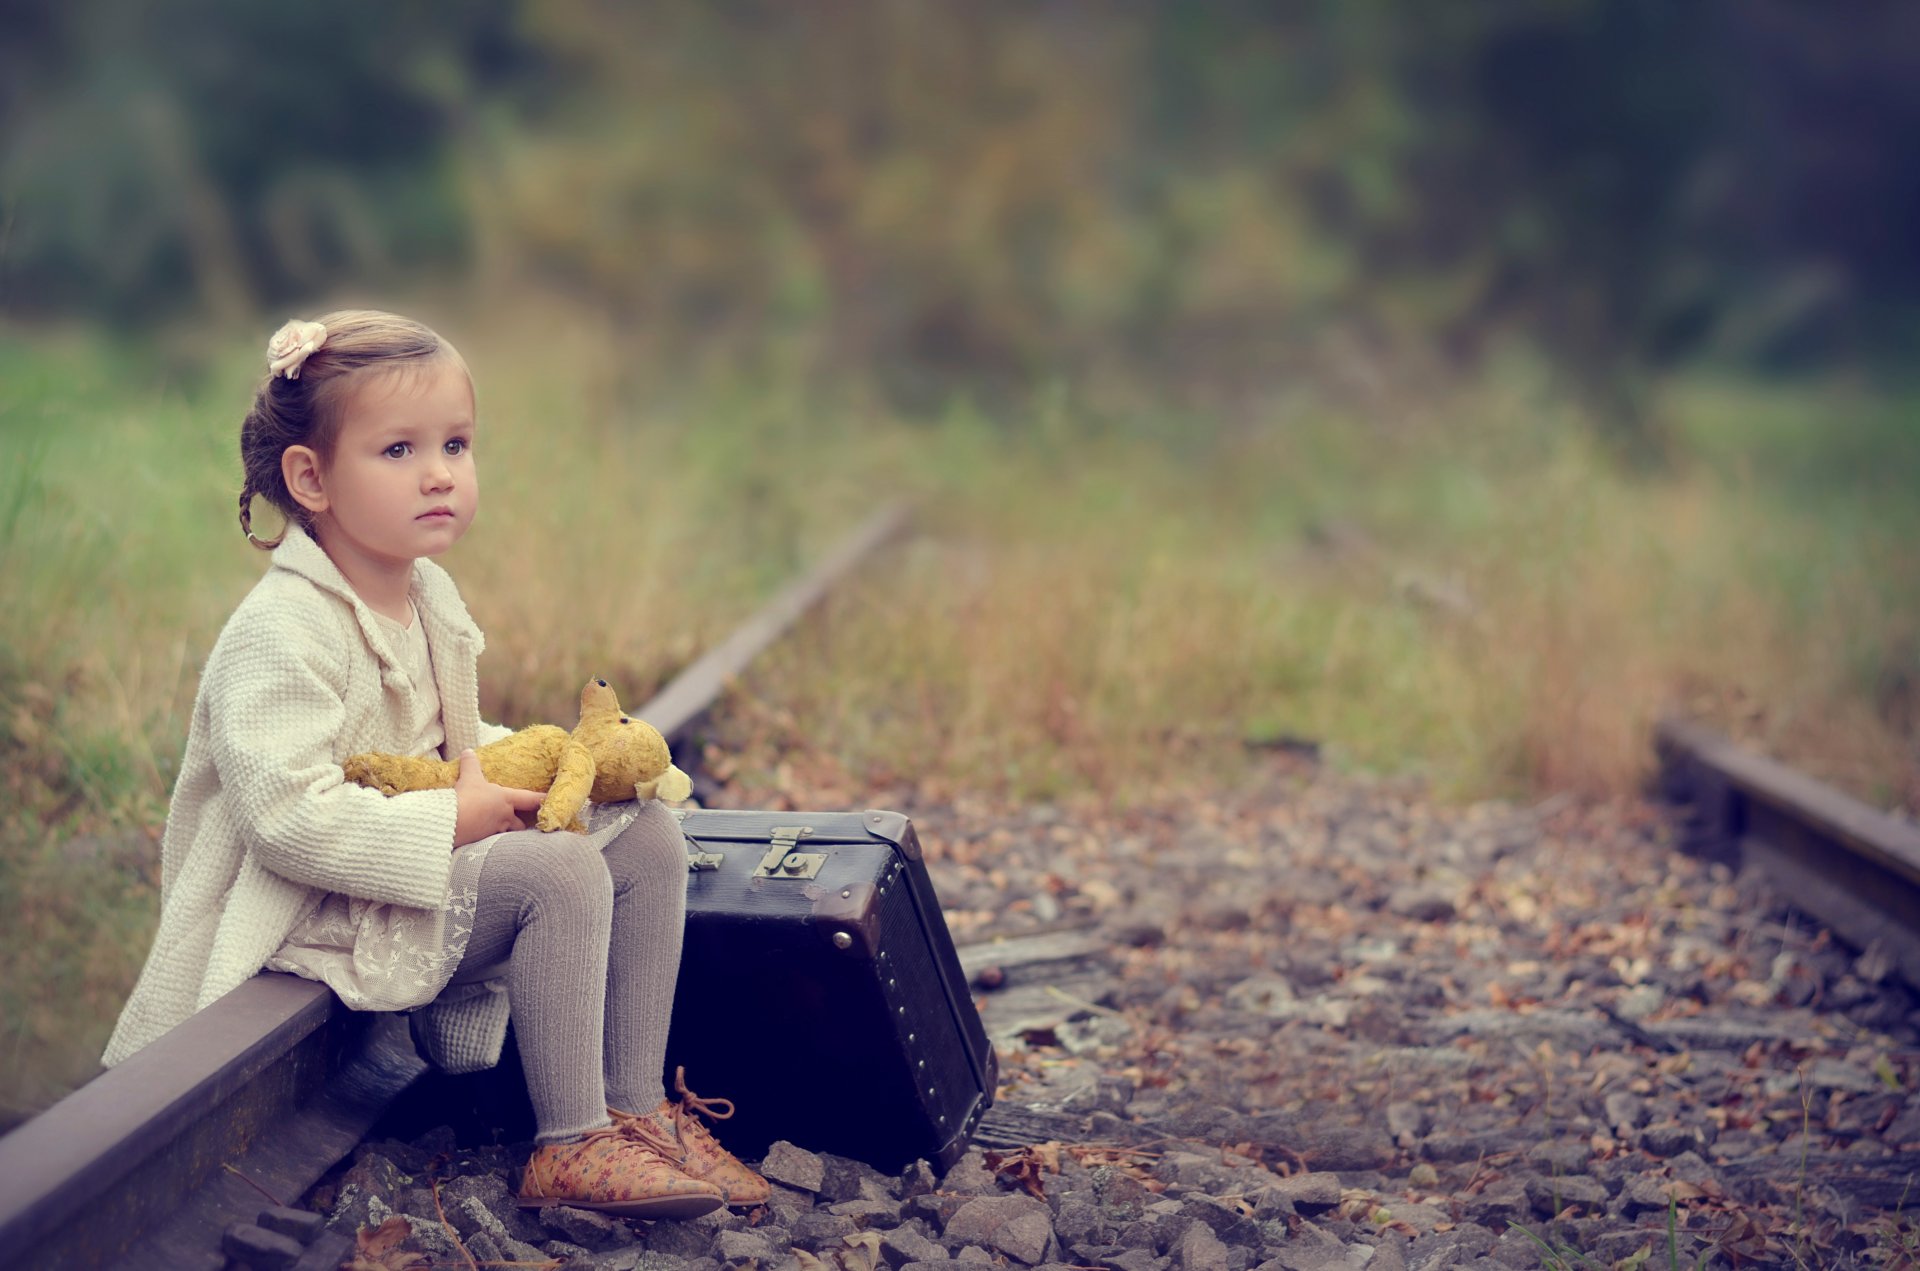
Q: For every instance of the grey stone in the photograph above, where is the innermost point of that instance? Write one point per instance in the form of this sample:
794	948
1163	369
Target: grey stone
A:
1191	1169
936	1208
904	1245
431	1237
564	1249
844	1179
1551	1195
1121	1195
1643	1196
1446	1249
1315	1258
1104	1094
1624	1109
1501	1203
1388	1255
625	1260
974	1255
794	1166
1307	1193
970	1176
1200	1250
1904	1129
687	1238
1561	1156
1078	1222
1516	1249
1450	1147
1420	903
733	1247
1229	1224
484	1249
788	1203
490	1192
1136	1260
1346	1147
1670	1138
820	1228
367	1193
584	1227
470	1215
917	1179
1838	1074
1018	1226
868	1213
939	1264
1167	1229
520	1250
1407	1121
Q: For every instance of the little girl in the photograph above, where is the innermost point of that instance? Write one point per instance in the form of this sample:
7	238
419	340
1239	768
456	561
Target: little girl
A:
362	434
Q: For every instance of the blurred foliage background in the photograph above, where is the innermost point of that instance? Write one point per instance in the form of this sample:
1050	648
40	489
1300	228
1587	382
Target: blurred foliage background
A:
1451	388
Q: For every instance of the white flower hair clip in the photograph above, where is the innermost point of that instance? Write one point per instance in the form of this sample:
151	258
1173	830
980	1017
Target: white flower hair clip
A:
293	344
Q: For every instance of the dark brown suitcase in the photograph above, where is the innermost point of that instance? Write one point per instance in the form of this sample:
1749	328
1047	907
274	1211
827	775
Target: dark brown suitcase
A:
820	992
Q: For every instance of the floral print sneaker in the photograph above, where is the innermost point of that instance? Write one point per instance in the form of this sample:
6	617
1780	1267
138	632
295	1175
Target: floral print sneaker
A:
673	1131
616	1174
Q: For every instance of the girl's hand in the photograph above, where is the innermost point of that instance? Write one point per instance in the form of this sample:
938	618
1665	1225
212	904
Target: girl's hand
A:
485	808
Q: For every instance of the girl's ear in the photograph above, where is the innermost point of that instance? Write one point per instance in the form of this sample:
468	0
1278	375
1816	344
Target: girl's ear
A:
300	466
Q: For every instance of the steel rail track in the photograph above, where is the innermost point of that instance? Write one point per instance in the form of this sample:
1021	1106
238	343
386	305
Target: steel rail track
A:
165	1160
1851	866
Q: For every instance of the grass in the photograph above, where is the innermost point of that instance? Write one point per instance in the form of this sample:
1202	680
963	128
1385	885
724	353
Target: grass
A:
1114	596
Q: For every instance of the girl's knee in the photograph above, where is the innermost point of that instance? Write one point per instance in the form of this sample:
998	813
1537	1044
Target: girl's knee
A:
571	876
652	845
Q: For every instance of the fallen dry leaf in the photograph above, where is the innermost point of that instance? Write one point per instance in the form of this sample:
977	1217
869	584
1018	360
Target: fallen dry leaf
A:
378	1249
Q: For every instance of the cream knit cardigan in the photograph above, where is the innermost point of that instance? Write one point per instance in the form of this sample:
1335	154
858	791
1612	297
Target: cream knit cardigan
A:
263	822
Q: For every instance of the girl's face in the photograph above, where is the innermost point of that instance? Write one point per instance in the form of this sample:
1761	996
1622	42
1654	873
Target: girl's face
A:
402	483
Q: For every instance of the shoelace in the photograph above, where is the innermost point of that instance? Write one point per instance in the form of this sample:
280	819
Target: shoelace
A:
643	1127
692	1103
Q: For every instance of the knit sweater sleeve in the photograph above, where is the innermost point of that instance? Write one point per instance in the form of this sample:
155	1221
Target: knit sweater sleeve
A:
493	732
275	719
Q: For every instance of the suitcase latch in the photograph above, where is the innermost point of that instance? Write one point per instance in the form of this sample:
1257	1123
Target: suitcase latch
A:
781	861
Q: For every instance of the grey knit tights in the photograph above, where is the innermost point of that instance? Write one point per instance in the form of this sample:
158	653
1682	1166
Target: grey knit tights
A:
592	945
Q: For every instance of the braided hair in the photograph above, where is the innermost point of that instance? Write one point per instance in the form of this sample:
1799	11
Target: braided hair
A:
304	407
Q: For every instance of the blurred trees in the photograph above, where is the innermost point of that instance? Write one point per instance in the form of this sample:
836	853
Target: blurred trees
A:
939	190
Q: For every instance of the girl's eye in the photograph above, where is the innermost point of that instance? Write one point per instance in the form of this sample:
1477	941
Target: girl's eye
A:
457	445
398	450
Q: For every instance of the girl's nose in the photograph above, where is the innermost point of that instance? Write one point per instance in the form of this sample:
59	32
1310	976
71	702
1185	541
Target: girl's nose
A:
437	476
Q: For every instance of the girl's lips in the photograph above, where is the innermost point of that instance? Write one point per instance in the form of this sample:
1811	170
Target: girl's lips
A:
438	514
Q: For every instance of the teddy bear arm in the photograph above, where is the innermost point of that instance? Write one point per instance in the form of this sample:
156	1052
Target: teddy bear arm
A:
568	793
398	774
526	760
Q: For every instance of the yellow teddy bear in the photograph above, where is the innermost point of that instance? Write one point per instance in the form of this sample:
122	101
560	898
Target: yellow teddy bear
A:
608	757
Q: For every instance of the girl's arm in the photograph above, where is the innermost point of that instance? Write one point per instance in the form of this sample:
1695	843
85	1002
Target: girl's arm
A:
275	721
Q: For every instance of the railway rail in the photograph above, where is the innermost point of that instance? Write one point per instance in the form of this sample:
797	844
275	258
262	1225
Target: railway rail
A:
181	1156
1851	866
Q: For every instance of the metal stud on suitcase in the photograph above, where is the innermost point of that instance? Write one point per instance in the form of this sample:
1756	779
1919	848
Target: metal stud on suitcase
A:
820	992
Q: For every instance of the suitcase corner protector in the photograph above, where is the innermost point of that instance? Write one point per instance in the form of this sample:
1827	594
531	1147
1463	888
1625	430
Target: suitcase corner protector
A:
895	828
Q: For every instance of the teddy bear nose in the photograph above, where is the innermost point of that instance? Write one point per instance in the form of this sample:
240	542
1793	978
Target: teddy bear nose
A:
601	683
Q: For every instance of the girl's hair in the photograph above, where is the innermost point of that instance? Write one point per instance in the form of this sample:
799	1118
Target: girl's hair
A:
307	411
